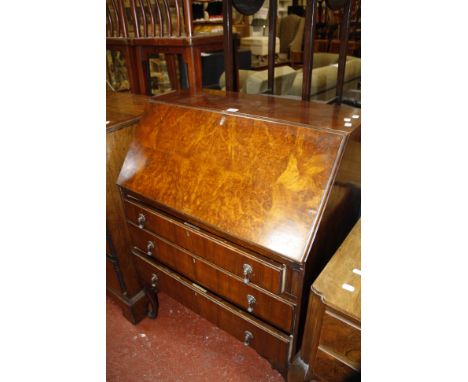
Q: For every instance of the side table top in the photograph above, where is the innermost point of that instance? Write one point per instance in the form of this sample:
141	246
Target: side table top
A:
339	284
123	109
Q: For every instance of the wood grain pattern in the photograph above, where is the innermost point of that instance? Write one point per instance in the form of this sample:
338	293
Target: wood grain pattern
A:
257	180
265	273
341	336
228	179
268	307
311	114
267	341
123	109
331	371
117	143
339	271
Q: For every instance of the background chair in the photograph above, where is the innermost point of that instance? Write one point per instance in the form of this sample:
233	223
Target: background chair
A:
149	28
118	40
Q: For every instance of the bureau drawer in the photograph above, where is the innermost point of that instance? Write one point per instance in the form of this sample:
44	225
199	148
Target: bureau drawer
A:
263	304
265	273
341	337
267	341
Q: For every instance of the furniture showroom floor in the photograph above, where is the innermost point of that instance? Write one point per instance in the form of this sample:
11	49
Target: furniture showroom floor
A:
178	345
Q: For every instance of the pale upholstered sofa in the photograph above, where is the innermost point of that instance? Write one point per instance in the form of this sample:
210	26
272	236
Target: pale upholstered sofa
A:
256	82
288	82
324	74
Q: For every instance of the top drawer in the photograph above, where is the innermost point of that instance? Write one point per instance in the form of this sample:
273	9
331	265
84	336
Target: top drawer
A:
264	273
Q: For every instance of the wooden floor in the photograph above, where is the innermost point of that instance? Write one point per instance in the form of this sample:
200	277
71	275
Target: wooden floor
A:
179	345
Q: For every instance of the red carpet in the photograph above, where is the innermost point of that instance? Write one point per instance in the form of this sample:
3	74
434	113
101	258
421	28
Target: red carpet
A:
178	345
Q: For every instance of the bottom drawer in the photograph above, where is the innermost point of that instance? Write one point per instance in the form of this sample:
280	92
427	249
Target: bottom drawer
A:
267	341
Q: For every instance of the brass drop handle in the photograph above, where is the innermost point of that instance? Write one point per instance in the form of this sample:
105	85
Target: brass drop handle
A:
141	221
247	272
149	248
247	338
250	301
154	280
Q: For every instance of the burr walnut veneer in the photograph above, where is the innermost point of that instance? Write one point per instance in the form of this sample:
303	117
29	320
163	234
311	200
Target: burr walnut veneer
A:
234	204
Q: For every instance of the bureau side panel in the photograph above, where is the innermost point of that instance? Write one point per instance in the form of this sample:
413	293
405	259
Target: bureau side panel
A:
342	211
117	143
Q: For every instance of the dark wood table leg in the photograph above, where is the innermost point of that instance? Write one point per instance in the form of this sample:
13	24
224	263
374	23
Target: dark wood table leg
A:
192	58
172	62
130	60
142	64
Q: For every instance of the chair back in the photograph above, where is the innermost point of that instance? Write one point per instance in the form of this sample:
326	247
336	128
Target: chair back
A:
344	6
149	18
232	75
116	22
161	18
247	7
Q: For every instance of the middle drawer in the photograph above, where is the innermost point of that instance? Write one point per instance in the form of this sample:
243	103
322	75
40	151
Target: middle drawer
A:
253	299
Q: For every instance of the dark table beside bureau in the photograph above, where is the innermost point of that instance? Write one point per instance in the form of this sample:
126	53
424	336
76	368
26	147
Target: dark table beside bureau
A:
235	203
331	348
123	111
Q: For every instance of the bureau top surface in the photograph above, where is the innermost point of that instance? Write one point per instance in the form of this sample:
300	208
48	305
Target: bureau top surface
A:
262	182
339	283
313	114
123	109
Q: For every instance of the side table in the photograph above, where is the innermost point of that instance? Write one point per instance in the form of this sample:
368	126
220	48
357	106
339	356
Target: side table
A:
331	345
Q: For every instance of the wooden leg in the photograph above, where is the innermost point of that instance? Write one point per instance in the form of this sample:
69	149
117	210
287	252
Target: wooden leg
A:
309	34
134	309
301	368
344	31
151	292
142	64
130	62
228	45
172	62
192	58
272	15
298	369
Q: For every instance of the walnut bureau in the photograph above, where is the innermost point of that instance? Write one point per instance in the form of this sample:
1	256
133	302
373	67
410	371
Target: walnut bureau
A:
123	111
235	202
331	349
